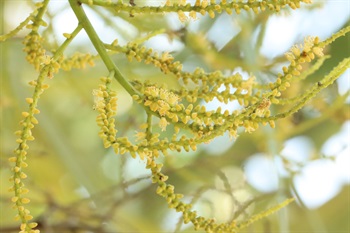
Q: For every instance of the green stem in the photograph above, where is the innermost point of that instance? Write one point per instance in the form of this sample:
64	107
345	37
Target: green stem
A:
64	45
17	29
338	34
149	126
42	9
90	31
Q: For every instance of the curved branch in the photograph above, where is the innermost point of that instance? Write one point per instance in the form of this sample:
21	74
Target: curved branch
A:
99	46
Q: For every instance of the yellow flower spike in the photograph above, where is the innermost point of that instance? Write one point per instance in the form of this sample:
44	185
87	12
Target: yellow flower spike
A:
182	2
318	51
34	121
193	15
282	88
17	217
163	123
36	111
204	4
32	224
316	40
30	138
28	217
25	200
45	86
182	16
175	118
16	169
24	191
153	106
295	72
23	226
211	14
67	35
295	50
288	76
19	140
29	100
25	114
12	159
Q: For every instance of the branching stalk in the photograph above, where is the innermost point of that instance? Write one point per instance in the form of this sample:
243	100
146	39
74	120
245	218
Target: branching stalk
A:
86	24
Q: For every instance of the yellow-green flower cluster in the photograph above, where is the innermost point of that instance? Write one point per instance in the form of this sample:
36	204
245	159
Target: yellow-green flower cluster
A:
164	61
306	52
165	99
33	47
33	41
106	105
77	61
297	56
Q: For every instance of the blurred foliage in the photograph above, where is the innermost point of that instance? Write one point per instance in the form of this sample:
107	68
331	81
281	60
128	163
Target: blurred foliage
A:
78	186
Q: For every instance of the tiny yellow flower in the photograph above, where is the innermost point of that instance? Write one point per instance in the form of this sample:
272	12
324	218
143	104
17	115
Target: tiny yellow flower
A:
163	123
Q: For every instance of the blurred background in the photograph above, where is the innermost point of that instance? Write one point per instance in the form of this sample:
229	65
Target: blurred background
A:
78	186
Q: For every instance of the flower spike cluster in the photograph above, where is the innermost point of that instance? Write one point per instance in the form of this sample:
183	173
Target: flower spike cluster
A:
33	41
173	199
24	136
106	105
202	7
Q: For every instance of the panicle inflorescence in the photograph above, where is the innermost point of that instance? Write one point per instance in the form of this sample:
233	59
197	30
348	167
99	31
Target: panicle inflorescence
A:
179	110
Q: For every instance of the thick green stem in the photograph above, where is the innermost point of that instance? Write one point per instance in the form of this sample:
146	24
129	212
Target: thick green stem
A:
90	31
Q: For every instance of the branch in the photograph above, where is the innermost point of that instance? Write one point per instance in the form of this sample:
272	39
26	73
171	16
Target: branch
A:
97	43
